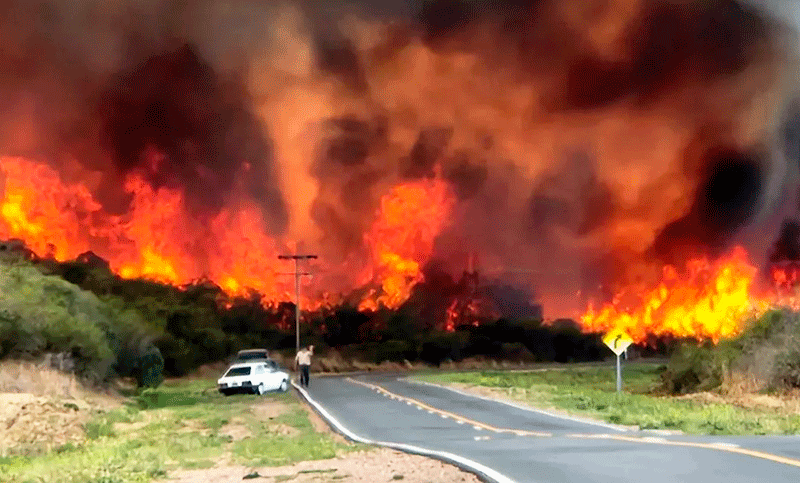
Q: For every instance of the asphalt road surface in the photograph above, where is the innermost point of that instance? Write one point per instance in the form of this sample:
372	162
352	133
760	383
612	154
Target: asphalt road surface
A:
506	443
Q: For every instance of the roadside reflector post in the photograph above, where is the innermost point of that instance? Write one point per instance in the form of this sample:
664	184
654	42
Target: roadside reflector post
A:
618	341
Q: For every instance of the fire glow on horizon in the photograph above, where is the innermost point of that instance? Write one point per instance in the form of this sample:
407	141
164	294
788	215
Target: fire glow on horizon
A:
605	141
159	240
706	300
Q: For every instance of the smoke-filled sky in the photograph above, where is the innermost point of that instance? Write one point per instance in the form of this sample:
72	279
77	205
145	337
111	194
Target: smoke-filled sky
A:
582	139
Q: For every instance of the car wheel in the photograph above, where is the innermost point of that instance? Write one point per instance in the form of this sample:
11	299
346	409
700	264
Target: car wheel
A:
261	389
284	385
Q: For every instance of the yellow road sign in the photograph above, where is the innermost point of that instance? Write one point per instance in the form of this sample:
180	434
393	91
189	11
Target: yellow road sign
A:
617	340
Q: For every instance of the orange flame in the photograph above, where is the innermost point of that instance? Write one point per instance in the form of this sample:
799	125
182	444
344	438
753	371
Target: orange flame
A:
401	239
37	208
785	278
452	317
159	239
709	301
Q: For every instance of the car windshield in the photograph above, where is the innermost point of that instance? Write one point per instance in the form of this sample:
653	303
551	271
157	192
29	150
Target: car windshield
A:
238	371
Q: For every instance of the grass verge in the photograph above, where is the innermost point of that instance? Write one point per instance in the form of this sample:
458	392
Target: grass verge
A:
592	392
182	425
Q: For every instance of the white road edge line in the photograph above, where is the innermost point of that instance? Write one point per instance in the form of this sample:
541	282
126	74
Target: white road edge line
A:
473	466
519	406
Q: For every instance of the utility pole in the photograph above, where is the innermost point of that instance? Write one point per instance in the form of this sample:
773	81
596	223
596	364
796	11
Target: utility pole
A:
297	275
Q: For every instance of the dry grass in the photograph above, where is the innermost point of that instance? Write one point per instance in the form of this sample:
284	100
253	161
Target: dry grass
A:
741	383
42	408
29	378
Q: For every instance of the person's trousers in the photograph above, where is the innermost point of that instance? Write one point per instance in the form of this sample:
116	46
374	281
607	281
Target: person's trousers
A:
304	375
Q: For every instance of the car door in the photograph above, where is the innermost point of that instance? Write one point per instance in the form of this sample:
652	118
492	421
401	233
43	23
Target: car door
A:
259	376
273	376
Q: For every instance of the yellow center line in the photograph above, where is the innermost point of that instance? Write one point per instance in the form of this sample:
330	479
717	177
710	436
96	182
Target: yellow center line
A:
630	439
713	446
441	412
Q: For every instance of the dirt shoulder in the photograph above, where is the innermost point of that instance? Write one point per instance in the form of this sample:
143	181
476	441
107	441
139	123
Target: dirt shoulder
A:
370	466
42	410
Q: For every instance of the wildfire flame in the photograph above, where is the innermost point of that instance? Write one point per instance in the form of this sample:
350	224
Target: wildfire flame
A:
401	239
159	239
465	312
708	301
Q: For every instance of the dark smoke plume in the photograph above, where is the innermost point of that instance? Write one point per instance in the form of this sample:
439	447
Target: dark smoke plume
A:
552	202
787	246
199	123
670	42
726	198
675	40
123	89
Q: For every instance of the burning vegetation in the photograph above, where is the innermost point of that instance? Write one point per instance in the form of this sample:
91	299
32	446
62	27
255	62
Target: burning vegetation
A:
603	154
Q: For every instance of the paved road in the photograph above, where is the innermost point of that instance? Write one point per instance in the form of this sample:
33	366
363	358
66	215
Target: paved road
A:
506	443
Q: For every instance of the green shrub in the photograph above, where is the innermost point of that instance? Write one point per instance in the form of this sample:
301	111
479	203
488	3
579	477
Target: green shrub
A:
395	351
44	313
766	353
694	368
787	369
440	347
47	314
180	357
99	427
150	369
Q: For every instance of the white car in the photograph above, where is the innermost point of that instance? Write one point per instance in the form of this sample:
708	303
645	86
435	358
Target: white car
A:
255	377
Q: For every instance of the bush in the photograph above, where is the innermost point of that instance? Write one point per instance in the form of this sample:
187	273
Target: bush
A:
149	371
766	353
439	347
696	368
44	313
561	342
179	355
395	351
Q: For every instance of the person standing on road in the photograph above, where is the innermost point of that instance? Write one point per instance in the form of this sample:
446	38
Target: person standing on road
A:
303	361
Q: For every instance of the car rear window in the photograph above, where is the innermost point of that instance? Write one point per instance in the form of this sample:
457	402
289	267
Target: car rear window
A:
252	355
238	371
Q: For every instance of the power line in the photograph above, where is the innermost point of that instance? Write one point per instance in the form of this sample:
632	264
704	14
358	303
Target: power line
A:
297	275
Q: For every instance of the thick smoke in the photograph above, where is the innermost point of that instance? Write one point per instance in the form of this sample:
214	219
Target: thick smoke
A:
726	198
787	246
176	122
583	139
121	89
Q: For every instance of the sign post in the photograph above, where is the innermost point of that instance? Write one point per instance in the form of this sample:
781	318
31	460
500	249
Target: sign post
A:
618	341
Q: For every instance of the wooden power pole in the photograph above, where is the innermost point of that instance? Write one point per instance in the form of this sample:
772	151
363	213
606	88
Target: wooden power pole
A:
297	275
